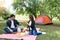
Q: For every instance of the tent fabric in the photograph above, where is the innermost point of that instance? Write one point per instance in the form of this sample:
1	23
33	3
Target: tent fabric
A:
43	19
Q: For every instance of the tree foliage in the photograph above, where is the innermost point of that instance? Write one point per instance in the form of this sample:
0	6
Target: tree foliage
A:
4	13
52	8
49	7
29	6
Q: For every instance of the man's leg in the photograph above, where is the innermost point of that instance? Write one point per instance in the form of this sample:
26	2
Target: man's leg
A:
14	29
7	30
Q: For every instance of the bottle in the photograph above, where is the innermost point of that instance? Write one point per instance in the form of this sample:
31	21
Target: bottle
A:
19	32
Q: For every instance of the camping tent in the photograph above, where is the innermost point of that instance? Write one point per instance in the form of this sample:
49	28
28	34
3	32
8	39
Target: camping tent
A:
43	19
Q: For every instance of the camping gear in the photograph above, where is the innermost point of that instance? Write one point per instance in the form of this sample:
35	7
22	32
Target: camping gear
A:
43	19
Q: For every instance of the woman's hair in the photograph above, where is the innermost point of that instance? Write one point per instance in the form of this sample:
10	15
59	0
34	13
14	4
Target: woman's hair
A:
12	15
31	17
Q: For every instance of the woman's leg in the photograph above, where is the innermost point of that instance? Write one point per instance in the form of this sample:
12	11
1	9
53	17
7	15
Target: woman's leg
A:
34	32
30	32
38	33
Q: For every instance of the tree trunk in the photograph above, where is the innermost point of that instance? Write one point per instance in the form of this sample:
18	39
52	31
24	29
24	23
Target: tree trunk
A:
59	18
35	15
51	17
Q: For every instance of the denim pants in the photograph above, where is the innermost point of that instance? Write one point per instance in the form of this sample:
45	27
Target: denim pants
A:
34	32
8	31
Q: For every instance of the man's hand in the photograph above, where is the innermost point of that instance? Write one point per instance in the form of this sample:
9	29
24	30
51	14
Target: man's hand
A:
10	29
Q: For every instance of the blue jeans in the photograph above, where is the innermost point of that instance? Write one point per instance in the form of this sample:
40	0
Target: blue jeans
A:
34	32
8	31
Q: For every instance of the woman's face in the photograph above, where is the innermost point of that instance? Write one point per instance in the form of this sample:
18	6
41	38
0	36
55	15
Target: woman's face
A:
29	18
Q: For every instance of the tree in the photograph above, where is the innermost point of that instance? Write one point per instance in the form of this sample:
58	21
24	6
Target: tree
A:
4	13
29	6
49	7
52	8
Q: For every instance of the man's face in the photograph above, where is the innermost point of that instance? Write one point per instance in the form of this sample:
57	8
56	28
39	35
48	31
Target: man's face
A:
12	18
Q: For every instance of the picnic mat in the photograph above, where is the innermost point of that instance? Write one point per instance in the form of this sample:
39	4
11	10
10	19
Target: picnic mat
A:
15	36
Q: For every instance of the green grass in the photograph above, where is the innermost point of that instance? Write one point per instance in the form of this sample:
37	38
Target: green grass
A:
53	31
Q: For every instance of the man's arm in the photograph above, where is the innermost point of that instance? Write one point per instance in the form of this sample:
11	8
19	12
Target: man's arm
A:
18	23
7	24
10	29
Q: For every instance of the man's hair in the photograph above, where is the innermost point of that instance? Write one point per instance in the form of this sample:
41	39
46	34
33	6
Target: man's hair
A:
12	15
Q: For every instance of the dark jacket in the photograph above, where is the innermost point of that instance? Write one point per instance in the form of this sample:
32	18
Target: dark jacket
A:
32	24
8	23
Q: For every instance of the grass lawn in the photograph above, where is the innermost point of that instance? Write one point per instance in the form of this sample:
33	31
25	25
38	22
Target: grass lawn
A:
53	31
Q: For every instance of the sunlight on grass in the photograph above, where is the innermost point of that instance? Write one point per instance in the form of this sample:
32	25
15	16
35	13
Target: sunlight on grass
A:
58	33
51	32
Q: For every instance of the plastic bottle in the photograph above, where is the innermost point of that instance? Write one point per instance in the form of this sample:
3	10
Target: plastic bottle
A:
19	32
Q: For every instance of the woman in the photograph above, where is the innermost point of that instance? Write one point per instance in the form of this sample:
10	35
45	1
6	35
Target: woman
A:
31	26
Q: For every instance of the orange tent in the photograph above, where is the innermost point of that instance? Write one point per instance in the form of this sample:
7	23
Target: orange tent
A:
43	19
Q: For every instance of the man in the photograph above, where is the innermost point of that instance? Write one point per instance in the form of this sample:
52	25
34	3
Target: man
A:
11	25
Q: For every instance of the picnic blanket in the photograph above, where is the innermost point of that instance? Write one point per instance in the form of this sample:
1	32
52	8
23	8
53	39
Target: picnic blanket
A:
15	36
